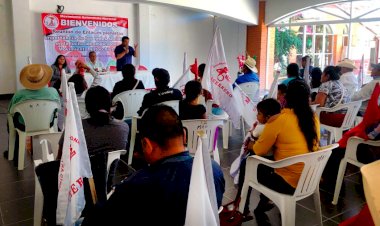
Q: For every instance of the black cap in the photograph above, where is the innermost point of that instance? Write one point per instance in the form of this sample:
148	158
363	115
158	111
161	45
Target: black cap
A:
161	77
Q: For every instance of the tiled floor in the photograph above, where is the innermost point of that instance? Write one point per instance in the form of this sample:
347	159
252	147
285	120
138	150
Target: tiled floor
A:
17	189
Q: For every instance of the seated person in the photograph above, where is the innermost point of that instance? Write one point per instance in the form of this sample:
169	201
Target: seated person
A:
93	63
292	71
316	75
129	82
281	92
303	64
249	72
101	131
331	93
163	185
162	92
59	65
347	77
293	132
189	108
365	92
34	77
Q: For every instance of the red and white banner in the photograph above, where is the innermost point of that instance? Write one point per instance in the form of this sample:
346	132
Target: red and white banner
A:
217	80
74	36
247	106
75	163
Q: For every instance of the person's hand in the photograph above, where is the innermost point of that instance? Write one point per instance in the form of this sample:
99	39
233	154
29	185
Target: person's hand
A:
136	45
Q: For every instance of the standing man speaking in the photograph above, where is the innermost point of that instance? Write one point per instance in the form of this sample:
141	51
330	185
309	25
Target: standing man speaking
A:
124	53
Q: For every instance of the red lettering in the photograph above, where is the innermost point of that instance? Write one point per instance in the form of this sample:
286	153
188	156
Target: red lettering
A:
73	189
80	182
72	152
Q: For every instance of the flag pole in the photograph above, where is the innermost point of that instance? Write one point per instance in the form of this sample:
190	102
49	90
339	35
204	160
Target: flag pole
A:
93	190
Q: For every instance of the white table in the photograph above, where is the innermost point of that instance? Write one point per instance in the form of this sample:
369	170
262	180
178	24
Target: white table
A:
109	79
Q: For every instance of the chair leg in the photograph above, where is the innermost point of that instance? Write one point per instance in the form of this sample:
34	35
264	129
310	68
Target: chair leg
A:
288	212
38	202
225	131
11	144
133	139
337	134
317	204
21	150
339	180
243	197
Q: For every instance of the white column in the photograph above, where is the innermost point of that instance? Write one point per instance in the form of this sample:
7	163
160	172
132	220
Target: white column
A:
22	35
143	34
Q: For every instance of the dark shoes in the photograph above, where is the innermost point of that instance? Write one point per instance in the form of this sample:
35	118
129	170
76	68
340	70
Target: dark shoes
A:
263	206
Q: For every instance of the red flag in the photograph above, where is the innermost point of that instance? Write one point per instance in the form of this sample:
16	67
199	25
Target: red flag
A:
371	116
194	68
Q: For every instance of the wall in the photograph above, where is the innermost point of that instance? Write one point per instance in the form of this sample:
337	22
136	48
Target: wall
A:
7	56
242	11
174	31
281	8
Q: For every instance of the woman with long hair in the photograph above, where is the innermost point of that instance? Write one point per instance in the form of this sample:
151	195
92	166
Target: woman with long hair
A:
294	131
59	65
190	108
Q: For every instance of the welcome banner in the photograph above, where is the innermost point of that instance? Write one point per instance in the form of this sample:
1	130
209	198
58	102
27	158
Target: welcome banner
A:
74	36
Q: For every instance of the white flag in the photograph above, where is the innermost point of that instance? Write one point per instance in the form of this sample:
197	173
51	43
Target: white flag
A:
247	106
201	202
184	62
217	80
273	88
181	82
75	163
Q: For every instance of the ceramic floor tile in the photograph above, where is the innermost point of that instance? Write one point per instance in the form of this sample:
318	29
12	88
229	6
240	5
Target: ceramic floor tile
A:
17	210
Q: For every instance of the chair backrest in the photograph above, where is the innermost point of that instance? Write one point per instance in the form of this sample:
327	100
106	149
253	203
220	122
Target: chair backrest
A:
315	163
352	110
209	126
82	108
131	101
46	140
251	89
172	103
37	114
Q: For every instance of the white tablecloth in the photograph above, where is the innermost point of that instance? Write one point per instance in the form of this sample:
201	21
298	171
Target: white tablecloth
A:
109	79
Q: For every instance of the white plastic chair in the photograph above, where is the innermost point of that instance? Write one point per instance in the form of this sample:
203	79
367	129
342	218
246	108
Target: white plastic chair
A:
350	157
131	101
172	103
351	108
226	127
133	138
209	126
38	195
37	115
308	184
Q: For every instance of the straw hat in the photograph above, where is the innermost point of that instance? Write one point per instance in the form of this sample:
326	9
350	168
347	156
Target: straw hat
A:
251	64
35	76
347	63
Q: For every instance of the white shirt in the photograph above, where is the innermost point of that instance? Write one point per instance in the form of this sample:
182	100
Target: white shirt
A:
97	65
365	93
350	82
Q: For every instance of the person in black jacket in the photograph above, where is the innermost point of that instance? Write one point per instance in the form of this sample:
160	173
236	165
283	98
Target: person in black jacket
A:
162	92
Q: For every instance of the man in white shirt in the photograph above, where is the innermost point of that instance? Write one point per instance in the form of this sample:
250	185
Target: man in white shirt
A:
348	79
366	91
93	63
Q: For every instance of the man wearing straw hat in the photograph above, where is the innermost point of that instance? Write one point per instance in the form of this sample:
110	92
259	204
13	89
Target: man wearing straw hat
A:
34	77
249	72
348	78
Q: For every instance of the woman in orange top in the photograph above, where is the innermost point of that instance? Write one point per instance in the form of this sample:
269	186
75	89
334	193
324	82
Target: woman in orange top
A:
293	132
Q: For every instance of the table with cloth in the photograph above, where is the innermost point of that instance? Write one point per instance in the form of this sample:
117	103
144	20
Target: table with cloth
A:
109	79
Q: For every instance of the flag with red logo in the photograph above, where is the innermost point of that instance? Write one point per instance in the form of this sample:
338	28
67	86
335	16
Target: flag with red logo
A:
217	80
75	162
181	82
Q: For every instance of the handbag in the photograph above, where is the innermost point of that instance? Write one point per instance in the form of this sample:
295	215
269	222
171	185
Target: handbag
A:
232	217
